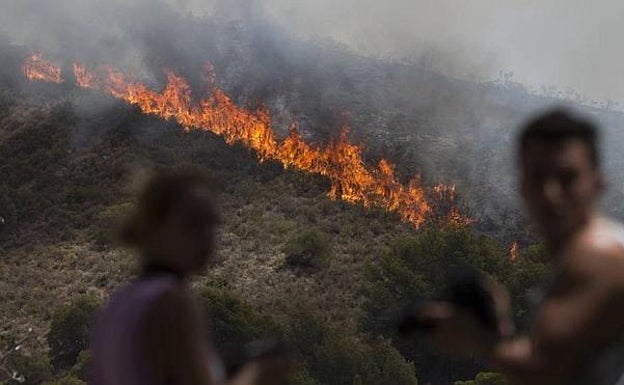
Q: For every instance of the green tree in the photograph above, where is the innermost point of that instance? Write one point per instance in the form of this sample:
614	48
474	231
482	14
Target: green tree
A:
69	331
523	275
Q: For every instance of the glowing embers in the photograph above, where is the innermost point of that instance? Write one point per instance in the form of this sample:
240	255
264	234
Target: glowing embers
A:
341	162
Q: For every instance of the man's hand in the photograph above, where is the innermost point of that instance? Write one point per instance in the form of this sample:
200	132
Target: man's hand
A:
458	331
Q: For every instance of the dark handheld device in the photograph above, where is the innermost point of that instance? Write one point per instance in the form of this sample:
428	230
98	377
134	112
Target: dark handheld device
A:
236	356
409	321
466	289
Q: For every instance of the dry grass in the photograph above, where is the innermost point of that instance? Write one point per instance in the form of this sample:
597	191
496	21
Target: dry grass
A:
44	266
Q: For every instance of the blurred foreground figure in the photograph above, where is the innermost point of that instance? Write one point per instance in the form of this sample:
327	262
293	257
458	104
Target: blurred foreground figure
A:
151	332
580	318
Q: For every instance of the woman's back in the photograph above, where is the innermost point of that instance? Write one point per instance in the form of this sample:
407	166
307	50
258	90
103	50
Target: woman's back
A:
118	342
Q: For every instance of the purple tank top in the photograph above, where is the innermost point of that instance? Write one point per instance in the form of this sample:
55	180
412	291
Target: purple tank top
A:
116	346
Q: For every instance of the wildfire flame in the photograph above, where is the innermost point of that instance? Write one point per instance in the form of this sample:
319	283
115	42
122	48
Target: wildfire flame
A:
514	251
84	78
341	162
36	68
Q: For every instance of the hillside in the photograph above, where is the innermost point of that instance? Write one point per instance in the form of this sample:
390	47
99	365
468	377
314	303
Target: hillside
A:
62	196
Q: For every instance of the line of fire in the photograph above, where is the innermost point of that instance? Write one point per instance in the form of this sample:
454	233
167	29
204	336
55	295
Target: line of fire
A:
341	162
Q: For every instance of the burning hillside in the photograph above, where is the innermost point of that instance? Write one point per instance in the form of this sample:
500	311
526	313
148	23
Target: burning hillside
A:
341	161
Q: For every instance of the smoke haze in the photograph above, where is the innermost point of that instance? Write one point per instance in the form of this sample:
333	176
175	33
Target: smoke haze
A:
571	45
566	44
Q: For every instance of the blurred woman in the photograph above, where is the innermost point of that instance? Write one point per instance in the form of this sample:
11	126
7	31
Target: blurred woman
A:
151	332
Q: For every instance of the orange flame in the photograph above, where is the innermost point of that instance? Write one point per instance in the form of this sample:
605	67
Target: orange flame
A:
36	68
341	162
514	251
84	78
446	201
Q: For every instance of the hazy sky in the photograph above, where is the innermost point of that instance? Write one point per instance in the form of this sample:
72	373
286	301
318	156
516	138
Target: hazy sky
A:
565	43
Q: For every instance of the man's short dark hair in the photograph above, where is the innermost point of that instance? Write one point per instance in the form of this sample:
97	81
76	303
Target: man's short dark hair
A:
558	125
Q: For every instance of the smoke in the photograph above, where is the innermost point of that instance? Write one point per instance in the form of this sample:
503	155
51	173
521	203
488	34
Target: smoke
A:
541	42
566	44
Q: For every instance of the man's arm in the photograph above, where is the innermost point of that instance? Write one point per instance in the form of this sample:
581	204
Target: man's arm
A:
582	312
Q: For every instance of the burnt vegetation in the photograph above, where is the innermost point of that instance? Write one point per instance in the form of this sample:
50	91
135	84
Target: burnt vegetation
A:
319	274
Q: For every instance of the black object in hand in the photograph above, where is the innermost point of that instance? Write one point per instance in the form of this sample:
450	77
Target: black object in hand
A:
466	289
410	322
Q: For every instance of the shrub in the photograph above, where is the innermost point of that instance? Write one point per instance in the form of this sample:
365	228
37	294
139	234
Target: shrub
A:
308	249
233	320
34	368
69	331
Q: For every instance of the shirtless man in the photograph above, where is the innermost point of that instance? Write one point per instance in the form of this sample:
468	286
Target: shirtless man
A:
573	337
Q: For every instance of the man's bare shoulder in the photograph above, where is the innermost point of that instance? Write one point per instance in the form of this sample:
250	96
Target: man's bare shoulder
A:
597	253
